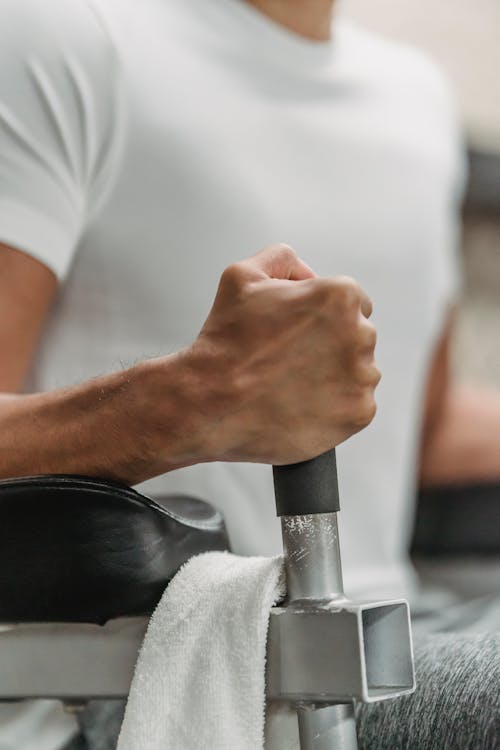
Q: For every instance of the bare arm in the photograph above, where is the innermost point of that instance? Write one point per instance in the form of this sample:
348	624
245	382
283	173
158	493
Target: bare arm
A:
282	370
461	435
103	427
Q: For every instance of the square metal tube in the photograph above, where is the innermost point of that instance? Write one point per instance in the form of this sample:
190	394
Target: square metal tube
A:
340	651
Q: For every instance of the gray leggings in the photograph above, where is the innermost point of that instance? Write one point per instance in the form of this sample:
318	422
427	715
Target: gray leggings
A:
456	705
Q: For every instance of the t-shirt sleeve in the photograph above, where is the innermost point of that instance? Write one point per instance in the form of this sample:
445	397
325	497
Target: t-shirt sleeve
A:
60	125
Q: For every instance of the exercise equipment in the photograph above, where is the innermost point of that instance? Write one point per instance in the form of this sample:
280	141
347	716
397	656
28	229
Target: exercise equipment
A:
324	651
83	563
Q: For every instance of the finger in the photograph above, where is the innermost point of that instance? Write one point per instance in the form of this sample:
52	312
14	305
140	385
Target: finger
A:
365	303
281	262
367	337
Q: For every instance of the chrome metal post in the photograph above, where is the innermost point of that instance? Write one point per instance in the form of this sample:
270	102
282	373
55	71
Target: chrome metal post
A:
312	556
327	727
324	650
314	572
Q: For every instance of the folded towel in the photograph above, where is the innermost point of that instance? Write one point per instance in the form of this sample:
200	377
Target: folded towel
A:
199	683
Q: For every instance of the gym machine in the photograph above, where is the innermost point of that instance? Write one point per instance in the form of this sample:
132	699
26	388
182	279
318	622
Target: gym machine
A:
83	562
326	652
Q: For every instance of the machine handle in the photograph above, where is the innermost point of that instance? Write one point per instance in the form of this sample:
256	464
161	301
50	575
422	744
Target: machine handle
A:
307	487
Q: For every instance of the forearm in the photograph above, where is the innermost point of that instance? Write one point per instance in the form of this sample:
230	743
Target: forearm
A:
464	444
282	370
128	426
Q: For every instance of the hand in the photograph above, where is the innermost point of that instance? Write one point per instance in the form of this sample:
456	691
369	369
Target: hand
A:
286	359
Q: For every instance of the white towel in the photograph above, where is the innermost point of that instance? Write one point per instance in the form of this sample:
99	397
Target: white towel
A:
199	682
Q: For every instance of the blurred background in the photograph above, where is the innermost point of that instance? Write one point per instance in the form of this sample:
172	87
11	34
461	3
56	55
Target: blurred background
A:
464	37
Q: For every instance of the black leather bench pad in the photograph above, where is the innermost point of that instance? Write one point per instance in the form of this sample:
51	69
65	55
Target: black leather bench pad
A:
75	549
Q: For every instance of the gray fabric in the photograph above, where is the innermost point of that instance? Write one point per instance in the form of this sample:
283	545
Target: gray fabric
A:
456	705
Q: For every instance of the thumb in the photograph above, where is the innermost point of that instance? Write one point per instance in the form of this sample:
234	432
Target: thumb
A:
280	262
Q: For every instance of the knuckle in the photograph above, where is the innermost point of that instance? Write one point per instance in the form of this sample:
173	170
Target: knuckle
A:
367	376
367	336
365	410
345	292
285	250
285	253
349	286
339	292
232	276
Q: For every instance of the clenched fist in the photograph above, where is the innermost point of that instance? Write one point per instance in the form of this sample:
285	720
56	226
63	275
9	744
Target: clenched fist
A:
288	361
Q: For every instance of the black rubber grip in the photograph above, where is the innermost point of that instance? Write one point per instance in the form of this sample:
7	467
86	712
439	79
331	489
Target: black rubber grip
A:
307	487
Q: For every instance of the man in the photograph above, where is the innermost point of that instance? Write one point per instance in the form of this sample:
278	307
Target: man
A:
146	146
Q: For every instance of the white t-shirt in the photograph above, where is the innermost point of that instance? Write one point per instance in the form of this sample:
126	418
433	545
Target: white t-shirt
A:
236	133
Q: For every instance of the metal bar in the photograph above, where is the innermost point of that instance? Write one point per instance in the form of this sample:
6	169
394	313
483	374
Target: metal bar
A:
314	572
327	727
69	660
312	556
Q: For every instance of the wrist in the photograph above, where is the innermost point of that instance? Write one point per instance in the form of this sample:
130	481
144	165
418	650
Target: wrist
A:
189	398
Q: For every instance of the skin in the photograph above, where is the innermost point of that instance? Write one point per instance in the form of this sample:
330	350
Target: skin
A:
460	440
311	19
282	370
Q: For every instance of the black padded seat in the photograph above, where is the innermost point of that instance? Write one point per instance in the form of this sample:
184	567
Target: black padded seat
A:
77	549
